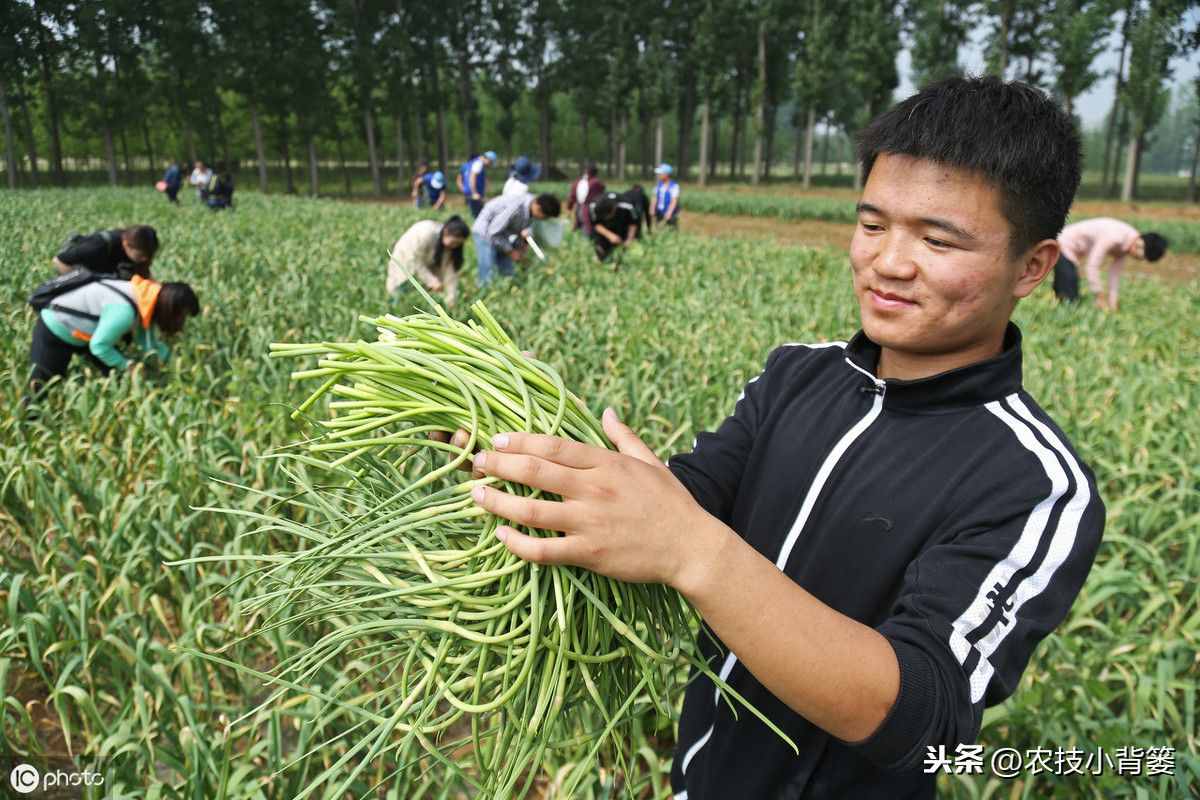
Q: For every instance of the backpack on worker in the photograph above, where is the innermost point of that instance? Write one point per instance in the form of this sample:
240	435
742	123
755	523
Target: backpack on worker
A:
43	296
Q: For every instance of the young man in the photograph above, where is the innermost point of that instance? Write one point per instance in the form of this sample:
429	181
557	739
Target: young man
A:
120	252
884	529
617	219
472	180
502	229
666	196
1093	242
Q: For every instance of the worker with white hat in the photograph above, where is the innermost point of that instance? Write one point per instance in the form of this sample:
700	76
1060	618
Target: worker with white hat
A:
666	196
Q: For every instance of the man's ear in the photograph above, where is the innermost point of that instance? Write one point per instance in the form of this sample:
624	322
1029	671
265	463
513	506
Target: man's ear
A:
1035	266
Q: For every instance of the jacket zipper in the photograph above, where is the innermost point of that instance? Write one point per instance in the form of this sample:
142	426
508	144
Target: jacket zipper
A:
878	388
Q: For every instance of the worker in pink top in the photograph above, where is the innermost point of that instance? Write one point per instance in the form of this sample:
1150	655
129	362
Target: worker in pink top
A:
1094	241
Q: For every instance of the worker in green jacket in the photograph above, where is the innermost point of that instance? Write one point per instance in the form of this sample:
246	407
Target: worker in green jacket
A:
92	319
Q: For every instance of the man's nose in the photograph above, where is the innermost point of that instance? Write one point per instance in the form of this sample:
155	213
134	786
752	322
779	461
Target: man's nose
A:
895	257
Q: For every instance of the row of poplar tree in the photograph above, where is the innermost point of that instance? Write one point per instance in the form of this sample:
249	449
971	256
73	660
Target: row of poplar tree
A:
278	82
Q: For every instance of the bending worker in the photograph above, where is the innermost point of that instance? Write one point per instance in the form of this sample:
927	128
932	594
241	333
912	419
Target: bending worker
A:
121	252
503	228
91	320
1093	241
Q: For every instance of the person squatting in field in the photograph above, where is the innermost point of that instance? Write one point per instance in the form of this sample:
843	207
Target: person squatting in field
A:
884	528
472	181
91	321
666	196
120	252
1094	241
433	252
502	230
582	194
617	219
429	188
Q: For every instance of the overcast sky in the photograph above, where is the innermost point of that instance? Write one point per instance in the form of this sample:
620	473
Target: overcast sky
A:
1092	105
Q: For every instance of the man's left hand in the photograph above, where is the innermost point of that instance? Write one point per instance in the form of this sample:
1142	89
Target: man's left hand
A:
625	515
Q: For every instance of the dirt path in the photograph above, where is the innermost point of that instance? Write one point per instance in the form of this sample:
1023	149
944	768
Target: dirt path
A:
1174	267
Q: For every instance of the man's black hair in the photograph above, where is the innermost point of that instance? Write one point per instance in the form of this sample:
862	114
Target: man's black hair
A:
591	169
1012	134
142	237
549	204
1155	245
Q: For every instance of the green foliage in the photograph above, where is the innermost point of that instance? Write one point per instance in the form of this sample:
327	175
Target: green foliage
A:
102	489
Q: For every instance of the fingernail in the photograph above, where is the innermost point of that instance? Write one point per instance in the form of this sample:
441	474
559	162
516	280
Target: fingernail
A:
480	459
609	410
502	533
500	441
478	493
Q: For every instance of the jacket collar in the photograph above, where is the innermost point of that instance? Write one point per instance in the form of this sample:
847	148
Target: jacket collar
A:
974	384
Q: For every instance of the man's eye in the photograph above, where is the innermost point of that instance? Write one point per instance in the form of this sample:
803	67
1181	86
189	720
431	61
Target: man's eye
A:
871	226
937	242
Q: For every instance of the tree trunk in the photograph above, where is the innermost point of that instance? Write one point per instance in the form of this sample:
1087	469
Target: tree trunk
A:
658	139
1129	188
372	154
705	134
10	160
466	96
760	104
125	156
736	137
189	142
30	145
610	159
1112	117
544	132
314	177
825	150
53	114
797	151
622	127
583	152
769	154
647	134
687	111
1195	158
440	118
714	149
400	182
1121	135
341	151
809	129
287	154
259	150
149	145
1006	15
110	155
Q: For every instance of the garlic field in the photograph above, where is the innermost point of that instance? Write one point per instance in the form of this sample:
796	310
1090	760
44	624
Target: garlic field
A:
109	482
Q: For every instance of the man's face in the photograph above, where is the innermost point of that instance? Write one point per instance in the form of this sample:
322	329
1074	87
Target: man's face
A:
932	269
139	257
535	210
1138	248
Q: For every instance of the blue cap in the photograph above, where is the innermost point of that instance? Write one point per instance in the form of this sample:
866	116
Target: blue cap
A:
663	169
437	180
490	155
525	170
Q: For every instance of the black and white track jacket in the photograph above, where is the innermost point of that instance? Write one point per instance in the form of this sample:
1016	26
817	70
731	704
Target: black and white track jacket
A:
950	514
